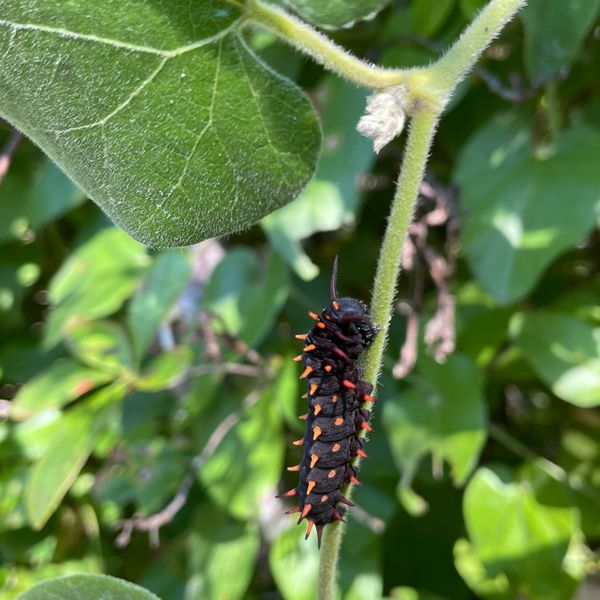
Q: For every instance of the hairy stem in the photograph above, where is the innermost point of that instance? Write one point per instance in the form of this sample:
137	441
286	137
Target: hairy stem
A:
407	191
319	47
440	81
427	92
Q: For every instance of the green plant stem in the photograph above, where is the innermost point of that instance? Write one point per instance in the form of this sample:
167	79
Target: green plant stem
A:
319	47
453	67
427	92
413	166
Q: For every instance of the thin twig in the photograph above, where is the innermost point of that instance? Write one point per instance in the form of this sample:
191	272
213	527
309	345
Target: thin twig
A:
153	524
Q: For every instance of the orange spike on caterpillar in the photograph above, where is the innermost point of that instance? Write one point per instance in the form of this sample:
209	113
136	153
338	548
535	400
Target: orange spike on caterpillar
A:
306	372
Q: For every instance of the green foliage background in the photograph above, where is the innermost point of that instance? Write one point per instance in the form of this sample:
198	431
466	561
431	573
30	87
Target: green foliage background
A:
131	377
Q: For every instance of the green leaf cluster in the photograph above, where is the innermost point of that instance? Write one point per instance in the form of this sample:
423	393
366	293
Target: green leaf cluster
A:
148	398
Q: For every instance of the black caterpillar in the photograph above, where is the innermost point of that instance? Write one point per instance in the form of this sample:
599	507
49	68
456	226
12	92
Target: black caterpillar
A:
335	417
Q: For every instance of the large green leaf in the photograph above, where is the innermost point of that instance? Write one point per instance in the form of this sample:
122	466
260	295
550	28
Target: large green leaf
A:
245	295
158	110
520	531
95	280
294	563
73	439
222	553
87	587
56	386
524	208
333	198
554	32
443	414
334	14
248	462
565	352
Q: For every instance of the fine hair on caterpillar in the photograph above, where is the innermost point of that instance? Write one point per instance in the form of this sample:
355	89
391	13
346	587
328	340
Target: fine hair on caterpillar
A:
335	419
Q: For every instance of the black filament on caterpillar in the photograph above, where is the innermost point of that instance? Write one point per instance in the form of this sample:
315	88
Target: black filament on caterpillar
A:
335	394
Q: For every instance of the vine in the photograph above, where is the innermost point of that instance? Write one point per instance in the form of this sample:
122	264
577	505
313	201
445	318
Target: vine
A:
426	92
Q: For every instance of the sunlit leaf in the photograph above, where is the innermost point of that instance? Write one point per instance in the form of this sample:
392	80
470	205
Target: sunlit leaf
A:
102	345
517	537
248	462
73	439
523	208
333	198
160	112
246	295
294	563
336	13
86	587
222	553
58	385
95	280
565	352
443	415
165	370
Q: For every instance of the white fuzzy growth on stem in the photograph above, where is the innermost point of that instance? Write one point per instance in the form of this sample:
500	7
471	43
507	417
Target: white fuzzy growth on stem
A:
385	116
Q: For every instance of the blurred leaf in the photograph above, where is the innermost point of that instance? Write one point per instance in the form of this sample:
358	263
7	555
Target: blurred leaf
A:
87	587
428	16
360	563
286	393
165	281
470	8
102	345
222	554
245	295
335	14
482	332
443	414
517	220
47	197
294	563
73	440
20	269
165	370
518	538
248	462
63	382
332	199
564	351
13	514
95	280
554	32
174	127
581	302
